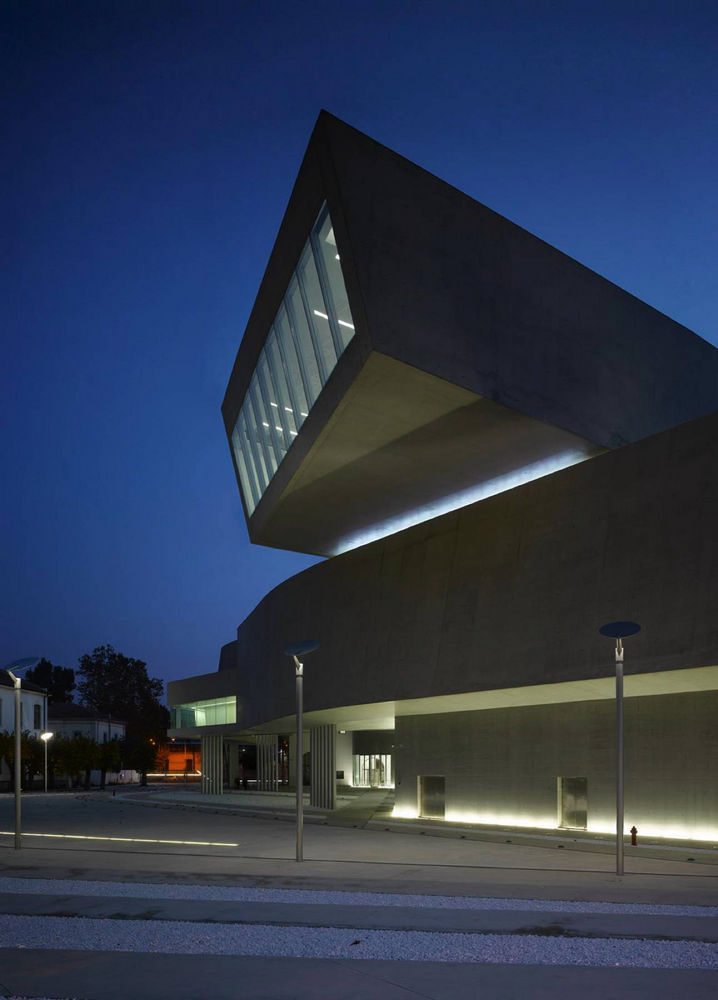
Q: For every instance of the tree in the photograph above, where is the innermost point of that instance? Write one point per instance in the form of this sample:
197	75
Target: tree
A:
32	753
109	757
74	756
58	681
118	685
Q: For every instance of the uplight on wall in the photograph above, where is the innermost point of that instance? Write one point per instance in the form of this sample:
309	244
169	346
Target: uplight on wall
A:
401	812
654	831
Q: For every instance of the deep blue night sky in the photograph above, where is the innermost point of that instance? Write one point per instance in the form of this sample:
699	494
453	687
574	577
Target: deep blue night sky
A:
150	151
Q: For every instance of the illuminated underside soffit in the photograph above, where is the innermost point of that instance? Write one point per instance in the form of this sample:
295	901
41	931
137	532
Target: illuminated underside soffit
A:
402	447
481	491
382	715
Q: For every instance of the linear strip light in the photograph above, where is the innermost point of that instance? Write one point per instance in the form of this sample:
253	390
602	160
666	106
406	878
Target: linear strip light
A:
658	831
445	505
124	840
341	322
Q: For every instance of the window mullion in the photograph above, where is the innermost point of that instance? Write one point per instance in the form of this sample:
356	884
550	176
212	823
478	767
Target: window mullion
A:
318	354
244	477
302	407
326	294
292	323
271	407
255	441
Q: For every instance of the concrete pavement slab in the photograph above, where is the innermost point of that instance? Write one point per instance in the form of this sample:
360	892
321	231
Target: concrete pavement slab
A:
336	857
696	888
118	975
553	923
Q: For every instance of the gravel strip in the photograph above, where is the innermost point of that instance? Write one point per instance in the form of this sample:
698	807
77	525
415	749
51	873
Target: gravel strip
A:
86	934
152	890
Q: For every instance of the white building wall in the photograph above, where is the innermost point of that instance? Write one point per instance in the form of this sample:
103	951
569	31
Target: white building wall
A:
344	757
30	701
33	706
98	730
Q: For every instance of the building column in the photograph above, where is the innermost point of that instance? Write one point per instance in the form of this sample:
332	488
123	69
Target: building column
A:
267	752
232	764
212	766
323	792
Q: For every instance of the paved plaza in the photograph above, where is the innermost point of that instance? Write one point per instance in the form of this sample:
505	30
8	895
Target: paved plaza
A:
197	898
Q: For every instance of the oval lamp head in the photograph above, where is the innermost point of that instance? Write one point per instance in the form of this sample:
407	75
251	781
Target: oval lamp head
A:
301	648
26	661
619	630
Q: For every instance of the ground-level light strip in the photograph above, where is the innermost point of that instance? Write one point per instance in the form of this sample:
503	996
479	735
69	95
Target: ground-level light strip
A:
124	840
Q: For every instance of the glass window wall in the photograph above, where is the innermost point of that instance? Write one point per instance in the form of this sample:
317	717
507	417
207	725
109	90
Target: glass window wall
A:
218	711
371	770
310	332
326	255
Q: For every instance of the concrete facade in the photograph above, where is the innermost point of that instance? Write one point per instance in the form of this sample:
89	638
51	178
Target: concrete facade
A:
509	452
501	766
433	611
490	317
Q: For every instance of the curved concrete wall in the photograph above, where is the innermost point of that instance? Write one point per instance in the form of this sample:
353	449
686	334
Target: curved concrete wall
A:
507	592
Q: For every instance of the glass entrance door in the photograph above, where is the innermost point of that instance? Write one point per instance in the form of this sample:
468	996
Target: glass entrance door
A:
372	770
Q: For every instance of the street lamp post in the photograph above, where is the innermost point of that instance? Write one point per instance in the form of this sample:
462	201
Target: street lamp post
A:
46	737
295	651
18	665
619	631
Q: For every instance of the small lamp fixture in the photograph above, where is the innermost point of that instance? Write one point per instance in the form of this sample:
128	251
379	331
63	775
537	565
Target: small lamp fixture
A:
619	631
296	650
17	665
46	737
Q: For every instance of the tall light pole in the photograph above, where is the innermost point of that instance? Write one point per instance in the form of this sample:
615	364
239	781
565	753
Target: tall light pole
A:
18	665
619	631
295	651
46	737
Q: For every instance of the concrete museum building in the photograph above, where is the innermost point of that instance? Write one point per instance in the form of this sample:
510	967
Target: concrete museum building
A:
497	451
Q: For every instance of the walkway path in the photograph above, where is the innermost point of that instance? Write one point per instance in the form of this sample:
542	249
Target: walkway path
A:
360	809
192	905
74	939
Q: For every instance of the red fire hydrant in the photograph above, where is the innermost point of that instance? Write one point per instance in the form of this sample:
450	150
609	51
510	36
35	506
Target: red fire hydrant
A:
634	832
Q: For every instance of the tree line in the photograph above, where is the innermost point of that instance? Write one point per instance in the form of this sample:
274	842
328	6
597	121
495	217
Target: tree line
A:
109	684
73	757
